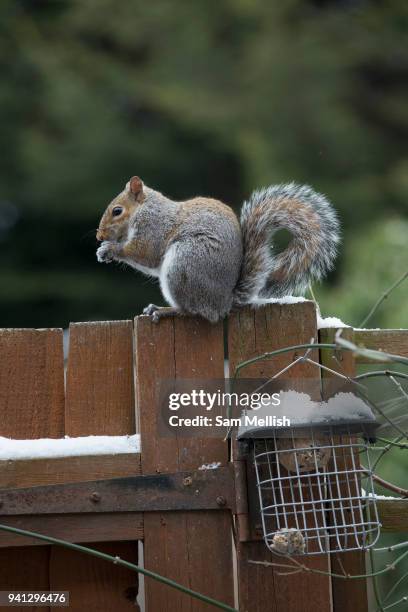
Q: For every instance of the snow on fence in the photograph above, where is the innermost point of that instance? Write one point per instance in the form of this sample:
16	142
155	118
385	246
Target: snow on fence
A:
86	425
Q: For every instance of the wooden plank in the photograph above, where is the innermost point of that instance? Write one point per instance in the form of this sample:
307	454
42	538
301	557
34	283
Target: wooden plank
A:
350	596
25	570
193	548
35	472
252	333
99	394
393	341
108	527
99	400
31	406
31	383
98	585
393	514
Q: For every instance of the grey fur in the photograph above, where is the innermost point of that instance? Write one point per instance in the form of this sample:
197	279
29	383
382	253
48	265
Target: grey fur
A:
267	211
206	265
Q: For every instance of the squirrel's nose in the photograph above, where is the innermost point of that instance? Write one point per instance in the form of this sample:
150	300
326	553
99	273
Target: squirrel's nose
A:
100	236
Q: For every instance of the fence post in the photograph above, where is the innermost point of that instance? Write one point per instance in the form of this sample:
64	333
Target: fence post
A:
252	333
193	548
351	595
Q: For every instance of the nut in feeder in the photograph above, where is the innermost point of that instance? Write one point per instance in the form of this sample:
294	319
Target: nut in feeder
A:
314	496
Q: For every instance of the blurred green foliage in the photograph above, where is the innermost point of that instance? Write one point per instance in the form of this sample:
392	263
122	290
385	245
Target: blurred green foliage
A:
210	97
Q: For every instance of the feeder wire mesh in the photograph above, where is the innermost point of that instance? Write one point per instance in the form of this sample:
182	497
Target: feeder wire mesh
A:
314	496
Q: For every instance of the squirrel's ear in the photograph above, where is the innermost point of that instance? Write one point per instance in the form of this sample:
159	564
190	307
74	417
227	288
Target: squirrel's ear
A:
135	186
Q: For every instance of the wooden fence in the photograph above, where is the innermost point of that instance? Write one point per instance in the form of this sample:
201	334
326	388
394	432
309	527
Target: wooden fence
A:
110	387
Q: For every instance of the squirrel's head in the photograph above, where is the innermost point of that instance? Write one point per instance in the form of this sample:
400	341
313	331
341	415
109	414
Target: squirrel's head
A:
114	222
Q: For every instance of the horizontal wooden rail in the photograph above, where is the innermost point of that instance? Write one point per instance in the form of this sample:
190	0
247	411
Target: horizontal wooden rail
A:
109	527
58	470
123	526
393	514
393	341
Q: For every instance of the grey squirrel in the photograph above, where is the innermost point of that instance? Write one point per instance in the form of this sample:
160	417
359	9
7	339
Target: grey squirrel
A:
207	261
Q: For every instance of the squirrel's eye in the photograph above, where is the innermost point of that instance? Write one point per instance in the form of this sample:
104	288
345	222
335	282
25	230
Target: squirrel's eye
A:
117	211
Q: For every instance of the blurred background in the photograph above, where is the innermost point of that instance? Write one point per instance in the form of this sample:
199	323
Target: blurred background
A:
209	97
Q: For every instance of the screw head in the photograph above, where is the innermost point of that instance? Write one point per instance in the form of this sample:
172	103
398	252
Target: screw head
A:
221	501
95	497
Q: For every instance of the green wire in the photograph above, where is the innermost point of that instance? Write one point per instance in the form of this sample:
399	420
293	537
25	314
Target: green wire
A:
312	293
119	561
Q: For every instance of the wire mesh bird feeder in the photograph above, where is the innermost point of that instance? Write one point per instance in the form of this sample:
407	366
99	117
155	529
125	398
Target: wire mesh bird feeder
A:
314	495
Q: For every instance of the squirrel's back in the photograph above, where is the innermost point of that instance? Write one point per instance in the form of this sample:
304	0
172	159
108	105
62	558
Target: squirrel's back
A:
314	226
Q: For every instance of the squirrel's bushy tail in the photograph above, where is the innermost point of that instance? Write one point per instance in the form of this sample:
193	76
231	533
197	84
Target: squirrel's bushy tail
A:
313	223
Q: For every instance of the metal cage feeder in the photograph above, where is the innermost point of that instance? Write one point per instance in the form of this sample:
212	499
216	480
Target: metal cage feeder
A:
314	496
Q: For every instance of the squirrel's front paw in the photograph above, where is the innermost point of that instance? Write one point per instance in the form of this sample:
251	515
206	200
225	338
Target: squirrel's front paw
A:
106	252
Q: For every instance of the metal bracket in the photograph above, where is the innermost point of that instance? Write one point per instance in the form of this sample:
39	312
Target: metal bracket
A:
193	490
247	499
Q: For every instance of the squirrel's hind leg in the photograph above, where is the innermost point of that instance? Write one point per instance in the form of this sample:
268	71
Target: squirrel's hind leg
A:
196	281
150	309
159	312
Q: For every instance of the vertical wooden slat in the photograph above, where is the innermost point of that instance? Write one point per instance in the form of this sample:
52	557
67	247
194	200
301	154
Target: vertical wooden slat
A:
194	548
31	406
31	383
100	394
95	584
25	569
252	333
350	596
99	401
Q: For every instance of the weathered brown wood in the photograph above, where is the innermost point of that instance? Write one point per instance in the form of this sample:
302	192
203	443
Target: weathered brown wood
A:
36	472
251	333
99	400
31	406
393	514
110	527
192	548
31	383
99	585
353	595
393	341
115	526
99	393
25	570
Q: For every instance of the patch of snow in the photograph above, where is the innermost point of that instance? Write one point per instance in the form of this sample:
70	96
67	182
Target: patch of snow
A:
299	407
43	448
287	299
210	466
376	496
324	323
341	409
347	406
